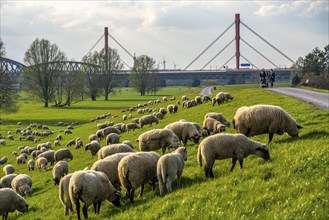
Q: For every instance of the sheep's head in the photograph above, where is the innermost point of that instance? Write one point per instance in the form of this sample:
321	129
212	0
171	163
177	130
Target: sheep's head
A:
183	152
22	205
115	199
195	138
56	181
263	152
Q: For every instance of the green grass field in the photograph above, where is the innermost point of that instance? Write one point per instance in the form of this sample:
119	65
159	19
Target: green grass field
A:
293	184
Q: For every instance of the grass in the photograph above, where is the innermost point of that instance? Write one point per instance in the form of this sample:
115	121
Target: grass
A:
292	185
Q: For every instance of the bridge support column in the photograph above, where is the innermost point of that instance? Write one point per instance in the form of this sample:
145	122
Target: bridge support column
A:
237	40
106	46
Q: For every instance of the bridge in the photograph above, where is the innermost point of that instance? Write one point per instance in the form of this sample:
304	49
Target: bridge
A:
175	77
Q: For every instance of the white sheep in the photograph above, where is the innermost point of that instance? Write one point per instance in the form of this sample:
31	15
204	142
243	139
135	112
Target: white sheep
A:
158	115
93	147
91	187
170	165
57	143
11	201
263	119
93	137
63	153
22	184
184	131
148	119
112	138
212	125
137	169
3	142
42	163
219	117
5	181
223	146
132	126
64	192
59	170
78	144
158	139
71	143
198	100
124	117
49	155
8	169
30	164
129	143
3	160
113	149
21	159
109	130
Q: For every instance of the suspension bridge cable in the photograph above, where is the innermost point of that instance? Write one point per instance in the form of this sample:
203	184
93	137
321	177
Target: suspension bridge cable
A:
218	53
268	42
248	61
209	46
121	46
227	61
125	63
94	45
258	52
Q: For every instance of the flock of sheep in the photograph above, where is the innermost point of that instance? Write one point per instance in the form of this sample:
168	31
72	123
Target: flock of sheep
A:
120	165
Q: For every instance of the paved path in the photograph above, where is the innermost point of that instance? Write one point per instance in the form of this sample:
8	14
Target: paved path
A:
206	90
318	99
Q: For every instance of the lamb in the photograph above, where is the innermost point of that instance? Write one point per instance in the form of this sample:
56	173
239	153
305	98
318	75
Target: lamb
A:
3	160
59	170
113	149
30	164
42	164
8	169
20	159
132	126
93	137
62	154
213	125
184	131
12	202
170	165
49	155
93	147
222	146
263	119
78	144
219	117
112	138
70	143
109	166
5	181
22	184
137	169
158	139
148	119
91	187
64	192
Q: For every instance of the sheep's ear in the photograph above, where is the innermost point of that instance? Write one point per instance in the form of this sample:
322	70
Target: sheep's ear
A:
299	127
185	149
137	140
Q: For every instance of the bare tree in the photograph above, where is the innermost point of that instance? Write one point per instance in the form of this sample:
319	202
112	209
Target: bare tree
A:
39	79
2	49
93	80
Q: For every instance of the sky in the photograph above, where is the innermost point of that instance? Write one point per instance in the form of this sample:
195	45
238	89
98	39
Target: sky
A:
172	31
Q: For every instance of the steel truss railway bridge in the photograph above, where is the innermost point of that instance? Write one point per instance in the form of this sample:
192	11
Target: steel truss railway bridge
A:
173	77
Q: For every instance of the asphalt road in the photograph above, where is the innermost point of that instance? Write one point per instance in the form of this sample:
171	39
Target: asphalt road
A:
206	90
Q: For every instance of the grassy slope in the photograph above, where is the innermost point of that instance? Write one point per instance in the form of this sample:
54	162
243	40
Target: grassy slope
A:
293	184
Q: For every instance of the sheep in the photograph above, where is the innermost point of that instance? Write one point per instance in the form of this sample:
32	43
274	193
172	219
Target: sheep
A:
49	155
213	125
42	163
163	111
8	169
129	143
113	149
171	108
184	131
3	160
78	144
219	117
228	96
11	137
57	143
3	142
198	100
91	187
62	154
112	138
219	98
70	143
30	164
93	137
64	192
158	139
187	104
148	119
164	98
59	170
14	153
5	181
67	131
158	115
109	130
109	166
170	165
135	120
184	98
124	117
93	147
11	202
59	137
203	132
137	169
22	184
223	146
263	119
21	159
206	98
132	126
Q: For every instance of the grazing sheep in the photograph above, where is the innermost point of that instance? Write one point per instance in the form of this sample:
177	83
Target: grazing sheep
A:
129	143
158	115
109	166
184	98
14	153
172	108
148	119
12	202
263	119
49	155
137	169
62	154
5	181
219	117
64	192
59	137
124	117
8	169
158	139
3	160
219	98
206	98
91	187
78	144
164	98
42	163
3	142
132	126
30	164
184	131
203	132
57	143
59	170
198	100
93	147
21	159
135	120
212	125
93	137
170	165
223	146
108	130
10	137
70	143
22	184
112	138
163	111
187	104
113	149
228	96
67	131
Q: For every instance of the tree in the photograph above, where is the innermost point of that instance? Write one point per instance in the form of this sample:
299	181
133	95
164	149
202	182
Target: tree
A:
2	49
93	80
39	79
142	74
315	62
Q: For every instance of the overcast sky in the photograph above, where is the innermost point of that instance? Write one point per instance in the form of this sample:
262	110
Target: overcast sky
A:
174	31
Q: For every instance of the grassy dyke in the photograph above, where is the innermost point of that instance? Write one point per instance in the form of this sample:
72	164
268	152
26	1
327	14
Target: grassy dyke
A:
292	185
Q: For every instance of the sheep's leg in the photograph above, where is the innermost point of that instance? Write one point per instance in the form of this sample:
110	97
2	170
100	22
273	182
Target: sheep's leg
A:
77	206
142	190
168	184
99	206
179	176
161	187
85	211
131	196
95	207
184	141
233	164
270	137
241	163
